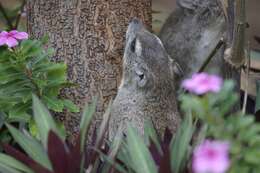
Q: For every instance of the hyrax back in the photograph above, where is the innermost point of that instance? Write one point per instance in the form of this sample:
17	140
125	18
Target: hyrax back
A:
147	87
192	31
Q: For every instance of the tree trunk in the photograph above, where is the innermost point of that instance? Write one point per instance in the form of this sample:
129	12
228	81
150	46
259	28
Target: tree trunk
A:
89	36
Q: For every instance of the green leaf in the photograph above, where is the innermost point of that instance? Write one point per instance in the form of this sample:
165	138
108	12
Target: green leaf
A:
10	77
6	169
181	143
18	116
44	121
19	113
13	163
70	106
30	48
253	156
33	129
56	71
87	116
30	146
53	103
150	134
139	153
45	39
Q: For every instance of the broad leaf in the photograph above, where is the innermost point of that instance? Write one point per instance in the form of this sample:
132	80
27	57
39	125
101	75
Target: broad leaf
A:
44	121
180	144
140	156
13	163
57	153
30	146
70	106
87	116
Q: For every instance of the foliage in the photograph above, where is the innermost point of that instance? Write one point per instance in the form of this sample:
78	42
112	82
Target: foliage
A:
52	154
156	155
209	113
241	131
10	18
24	70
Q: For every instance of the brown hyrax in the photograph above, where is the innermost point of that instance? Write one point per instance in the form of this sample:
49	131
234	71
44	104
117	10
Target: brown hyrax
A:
147	87
192	32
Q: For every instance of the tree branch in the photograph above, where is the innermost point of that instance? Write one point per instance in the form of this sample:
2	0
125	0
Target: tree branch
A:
237	53
18	18
211	55
8	21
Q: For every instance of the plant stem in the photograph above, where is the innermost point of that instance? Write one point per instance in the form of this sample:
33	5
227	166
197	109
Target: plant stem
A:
18	18
238	47
247	78
8	21
211	55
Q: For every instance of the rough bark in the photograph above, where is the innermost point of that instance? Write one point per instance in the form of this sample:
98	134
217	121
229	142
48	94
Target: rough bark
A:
89	36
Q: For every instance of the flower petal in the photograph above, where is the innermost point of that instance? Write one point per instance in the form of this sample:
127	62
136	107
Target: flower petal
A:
3	34
2	41
202	83
11	42
211	156
13	32
21	35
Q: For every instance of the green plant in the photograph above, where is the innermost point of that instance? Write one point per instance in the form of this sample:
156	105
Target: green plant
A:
26	69
209	112
219	123
52	154
155	155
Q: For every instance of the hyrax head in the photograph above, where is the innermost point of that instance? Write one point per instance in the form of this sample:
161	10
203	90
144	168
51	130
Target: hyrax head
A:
146	63
147	88
193	5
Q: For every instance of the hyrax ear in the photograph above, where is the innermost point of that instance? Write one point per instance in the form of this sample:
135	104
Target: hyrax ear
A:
176	68
136	47
187	4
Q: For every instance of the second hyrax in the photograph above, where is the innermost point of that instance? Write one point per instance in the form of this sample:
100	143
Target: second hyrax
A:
147	87
191	33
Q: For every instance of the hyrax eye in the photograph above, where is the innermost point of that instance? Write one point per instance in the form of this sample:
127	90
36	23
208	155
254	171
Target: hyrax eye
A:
132	45
141	76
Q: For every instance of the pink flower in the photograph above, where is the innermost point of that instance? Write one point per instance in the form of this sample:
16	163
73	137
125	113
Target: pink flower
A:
202	83
10	38
211	157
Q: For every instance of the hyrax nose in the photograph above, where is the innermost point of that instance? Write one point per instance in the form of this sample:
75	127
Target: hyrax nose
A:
135	21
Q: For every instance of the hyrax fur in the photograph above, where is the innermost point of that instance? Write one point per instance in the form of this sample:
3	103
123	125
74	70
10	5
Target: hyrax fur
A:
147	88
191	33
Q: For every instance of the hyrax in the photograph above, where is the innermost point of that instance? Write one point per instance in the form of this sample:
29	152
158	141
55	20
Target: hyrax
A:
147	87
192	31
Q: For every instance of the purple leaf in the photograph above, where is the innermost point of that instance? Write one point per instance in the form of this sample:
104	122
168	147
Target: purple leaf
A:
154	152
75	157
165	163
166	139
57	153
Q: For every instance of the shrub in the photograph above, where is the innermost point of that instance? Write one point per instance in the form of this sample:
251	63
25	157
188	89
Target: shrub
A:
52	154
26	69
